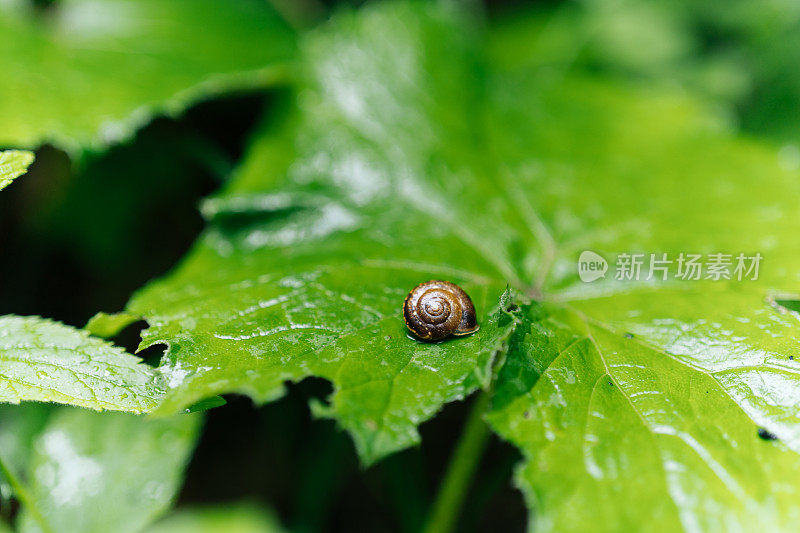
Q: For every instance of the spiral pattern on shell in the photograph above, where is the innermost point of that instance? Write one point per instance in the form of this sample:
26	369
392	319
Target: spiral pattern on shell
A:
438	309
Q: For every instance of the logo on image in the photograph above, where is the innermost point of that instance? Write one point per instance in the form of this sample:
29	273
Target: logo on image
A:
591	266
682	266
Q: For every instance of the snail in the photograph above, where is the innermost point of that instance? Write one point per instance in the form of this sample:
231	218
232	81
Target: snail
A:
437	309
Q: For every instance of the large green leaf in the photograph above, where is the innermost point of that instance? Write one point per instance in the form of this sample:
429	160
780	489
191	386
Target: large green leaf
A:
13	163
99	472
309	280
408	158
42	360
657	398
88	72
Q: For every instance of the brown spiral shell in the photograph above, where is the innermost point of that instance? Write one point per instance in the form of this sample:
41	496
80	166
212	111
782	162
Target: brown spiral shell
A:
437	309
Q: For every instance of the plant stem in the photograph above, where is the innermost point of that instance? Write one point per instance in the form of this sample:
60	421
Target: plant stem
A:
24	496
463	464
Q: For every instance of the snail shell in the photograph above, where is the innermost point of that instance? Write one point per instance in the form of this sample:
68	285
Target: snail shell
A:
437	309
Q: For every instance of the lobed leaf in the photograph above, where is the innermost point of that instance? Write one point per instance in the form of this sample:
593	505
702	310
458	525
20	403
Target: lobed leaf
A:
309	279
406	158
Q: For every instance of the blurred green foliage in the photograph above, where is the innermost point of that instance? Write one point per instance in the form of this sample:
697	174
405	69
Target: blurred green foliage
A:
738	54
116	201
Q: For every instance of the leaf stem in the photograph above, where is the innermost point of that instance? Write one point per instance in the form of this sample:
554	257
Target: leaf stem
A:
24	496
465	460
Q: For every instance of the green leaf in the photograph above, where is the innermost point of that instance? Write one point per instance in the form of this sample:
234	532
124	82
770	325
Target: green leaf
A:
238	518
309	280
89	72
409	158
618	434
42	360
639	403
13	163
100	472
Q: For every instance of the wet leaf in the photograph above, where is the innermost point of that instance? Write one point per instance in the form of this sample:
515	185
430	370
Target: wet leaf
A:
88	73
408	158
640	404
309	279
99	472
45	361
13	163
